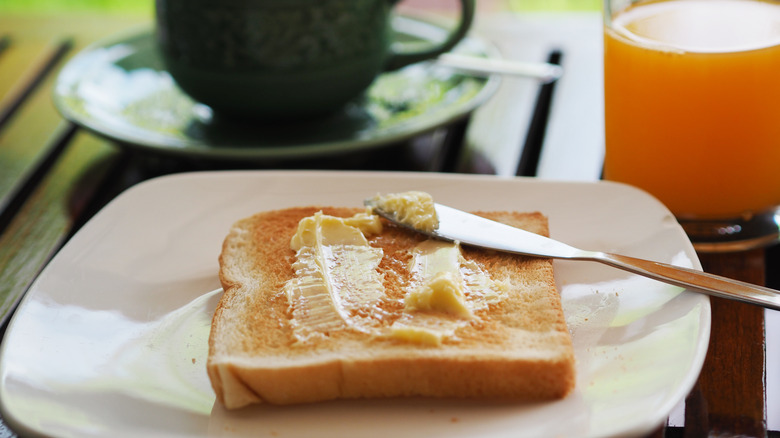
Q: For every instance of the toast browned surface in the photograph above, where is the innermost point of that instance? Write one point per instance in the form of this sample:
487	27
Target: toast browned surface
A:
517	349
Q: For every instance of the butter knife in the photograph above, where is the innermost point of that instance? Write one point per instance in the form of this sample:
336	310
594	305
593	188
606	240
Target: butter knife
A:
468	229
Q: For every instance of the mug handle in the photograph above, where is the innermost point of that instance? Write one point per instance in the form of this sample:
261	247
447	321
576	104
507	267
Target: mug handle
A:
402	59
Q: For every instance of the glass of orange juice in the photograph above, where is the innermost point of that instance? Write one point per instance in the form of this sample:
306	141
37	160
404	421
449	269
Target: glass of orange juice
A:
692	113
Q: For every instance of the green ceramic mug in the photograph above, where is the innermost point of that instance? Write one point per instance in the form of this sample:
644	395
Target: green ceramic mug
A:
284	58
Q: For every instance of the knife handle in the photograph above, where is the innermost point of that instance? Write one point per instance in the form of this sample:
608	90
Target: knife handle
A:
696	280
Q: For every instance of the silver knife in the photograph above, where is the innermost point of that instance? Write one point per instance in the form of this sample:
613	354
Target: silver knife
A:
468	229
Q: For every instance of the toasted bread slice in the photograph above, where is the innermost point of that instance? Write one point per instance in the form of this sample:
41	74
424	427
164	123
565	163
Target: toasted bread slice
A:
518	348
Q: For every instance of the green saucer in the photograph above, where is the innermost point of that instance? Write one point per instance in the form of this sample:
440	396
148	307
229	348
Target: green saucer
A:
120	90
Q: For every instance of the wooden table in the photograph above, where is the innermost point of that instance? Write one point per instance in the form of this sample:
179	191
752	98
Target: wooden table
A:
54	176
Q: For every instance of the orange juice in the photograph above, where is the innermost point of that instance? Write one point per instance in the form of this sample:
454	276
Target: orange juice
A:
692	104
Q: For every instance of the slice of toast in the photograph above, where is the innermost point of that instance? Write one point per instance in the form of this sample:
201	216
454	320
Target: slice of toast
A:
518	348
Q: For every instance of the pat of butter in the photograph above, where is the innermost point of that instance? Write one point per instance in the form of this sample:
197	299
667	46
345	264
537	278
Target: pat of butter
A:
443	293
336	285
322	229
431	258
416	334
413	208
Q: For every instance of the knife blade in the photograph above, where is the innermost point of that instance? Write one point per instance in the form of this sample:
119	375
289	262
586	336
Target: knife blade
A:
469	229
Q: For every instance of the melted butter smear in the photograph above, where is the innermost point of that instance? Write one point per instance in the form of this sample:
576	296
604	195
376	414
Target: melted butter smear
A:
337	284
446	291
336	277
432	257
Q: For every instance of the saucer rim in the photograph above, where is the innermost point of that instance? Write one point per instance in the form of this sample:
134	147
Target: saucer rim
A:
214	151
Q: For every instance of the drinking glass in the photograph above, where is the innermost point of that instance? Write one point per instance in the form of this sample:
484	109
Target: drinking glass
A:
692	113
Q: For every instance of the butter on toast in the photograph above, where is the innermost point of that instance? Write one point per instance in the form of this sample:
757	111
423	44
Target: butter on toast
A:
516	347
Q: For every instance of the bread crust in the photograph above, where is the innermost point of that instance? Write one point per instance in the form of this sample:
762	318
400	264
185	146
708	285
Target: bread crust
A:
519	349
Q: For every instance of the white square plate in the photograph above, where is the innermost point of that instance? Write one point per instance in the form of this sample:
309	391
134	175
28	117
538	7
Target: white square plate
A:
111	340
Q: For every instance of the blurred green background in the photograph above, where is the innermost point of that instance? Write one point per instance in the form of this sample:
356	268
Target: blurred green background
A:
55	6
146	7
